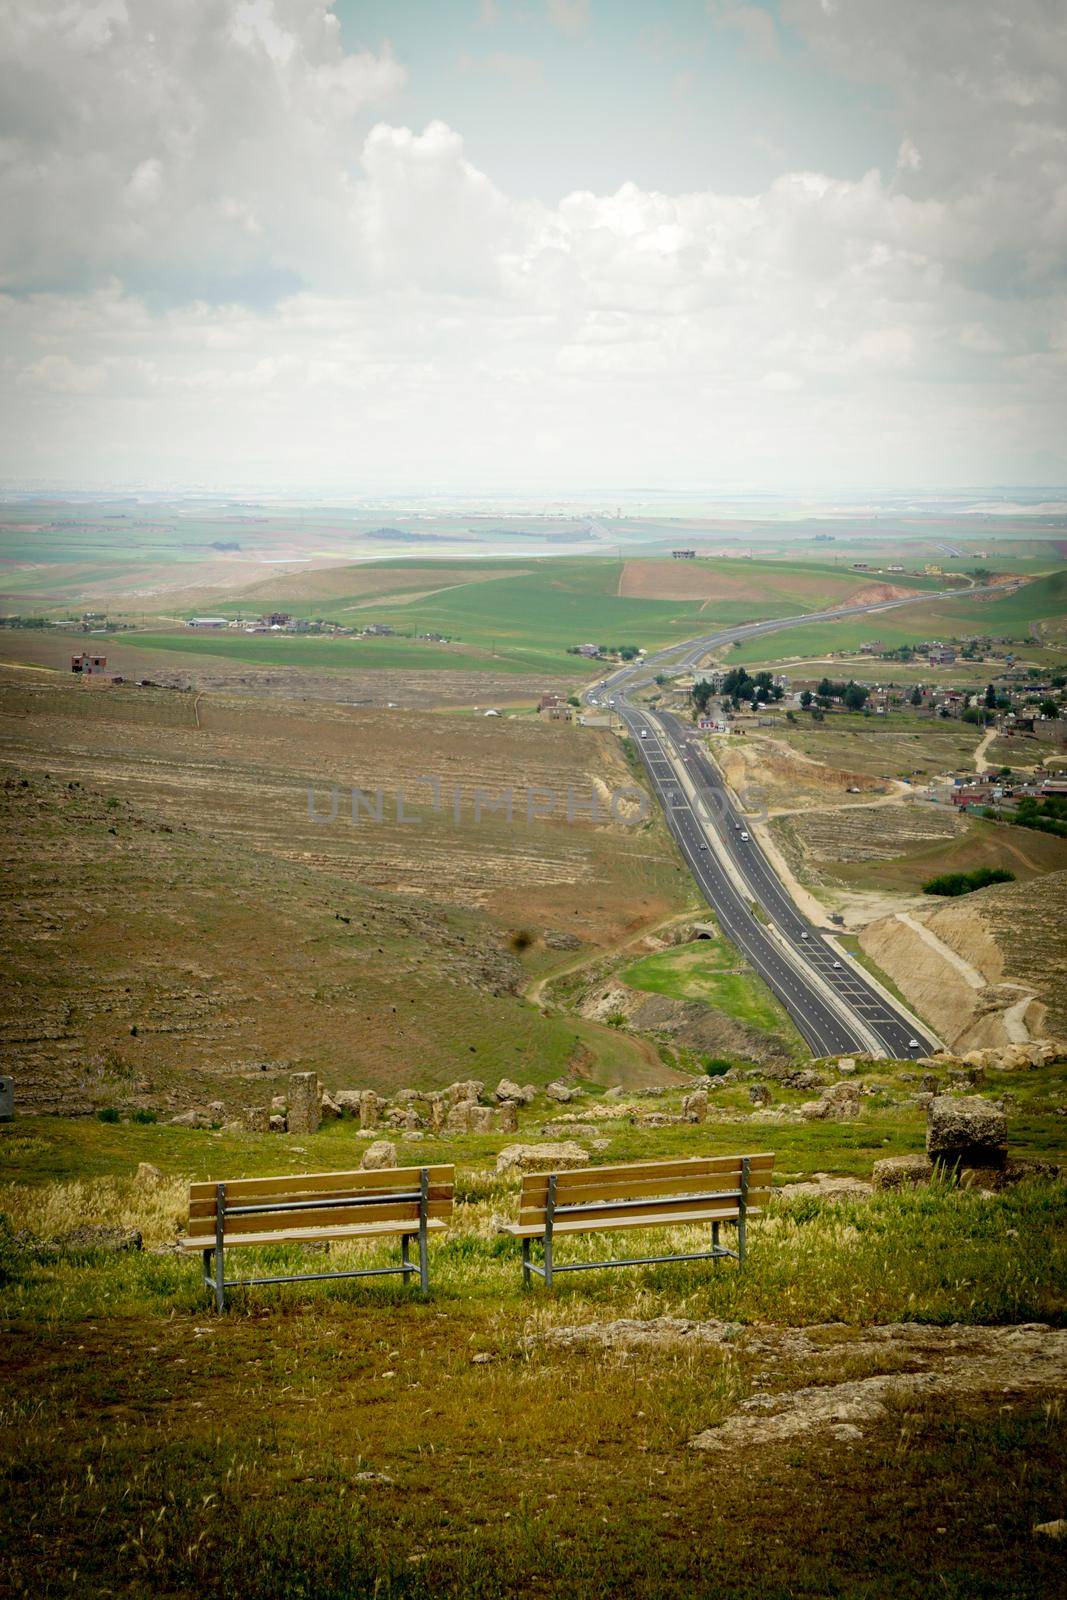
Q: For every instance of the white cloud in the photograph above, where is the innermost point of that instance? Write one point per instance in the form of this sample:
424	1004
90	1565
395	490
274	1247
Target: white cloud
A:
234	265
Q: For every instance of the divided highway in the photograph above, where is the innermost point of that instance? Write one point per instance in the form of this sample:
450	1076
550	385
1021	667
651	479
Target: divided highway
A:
833	1001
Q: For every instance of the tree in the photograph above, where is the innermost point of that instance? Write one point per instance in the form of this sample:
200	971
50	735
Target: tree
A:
990	696
806	697
1049	708
916	696
856	696
701	693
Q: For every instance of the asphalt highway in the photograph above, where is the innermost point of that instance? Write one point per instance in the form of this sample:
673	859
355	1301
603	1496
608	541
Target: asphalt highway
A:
833	1002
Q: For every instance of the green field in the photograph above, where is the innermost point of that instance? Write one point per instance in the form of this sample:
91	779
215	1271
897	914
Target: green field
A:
532	617
326	654
710	970
1044	598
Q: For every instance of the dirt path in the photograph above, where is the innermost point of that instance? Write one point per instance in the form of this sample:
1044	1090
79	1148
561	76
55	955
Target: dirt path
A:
644	1049
981	747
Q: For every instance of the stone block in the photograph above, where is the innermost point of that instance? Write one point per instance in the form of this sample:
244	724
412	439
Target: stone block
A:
900	1172
378	1155
541	1157
966	1131
304	1113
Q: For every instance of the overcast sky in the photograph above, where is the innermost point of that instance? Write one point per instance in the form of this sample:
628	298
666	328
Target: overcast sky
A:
597	245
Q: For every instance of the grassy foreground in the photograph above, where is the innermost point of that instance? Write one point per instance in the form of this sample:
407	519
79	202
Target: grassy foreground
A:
350	1440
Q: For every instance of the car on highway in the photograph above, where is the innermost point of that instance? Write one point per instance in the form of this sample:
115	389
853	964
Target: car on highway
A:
803	936
837	963
702	845
644	733
744	837
913	1044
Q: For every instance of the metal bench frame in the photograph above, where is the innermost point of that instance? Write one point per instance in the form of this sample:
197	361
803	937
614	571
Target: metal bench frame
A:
548	1268
215	1273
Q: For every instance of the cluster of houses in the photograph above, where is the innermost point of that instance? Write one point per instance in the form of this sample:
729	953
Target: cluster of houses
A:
283	622
1002	790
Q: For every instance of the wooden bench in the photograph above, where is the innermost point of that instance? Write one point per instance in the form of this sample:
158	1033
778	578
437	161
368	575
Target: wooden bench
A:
643	1194
312	1207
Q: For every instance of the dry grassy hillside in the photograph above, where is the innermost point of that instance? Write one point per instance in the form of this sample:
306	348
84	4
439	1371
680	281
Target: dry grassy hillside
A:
166	878
150	962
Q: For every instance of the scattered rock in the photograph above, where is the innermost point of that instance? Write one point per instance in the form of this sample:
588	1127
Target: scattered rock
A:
329	1107
506	1090
815	1110
412	1136
806	1078
147	1174
481	1119
541	1157
347	1101
899	1172
507	1117
1051	1530
966	1131
379	1154
846	1066
382	1479
695	1106
823	1187
279	1104
459	1116
257	1119
277	1122
191	1119
759	1094
469	1089
560	1092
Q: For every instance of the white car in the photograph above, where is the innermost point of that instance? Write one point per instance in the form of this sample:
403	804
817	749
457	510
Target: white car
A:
913	1044
744	838
803	936
644	733
837	963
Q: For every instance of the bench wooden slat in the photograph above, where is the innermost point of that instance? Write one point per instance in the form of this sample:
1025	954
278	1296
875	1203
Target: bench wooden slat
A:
311	1223
663	1206
382	1196
308	1184
619	1189
676	1219
295	1236
644	1171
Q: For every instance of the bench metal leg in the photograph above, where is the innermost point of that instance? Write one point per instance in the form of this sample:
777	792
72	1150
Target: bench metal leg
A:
526	1263
220	1253
424	1264
405	1240
715	1236
741	1212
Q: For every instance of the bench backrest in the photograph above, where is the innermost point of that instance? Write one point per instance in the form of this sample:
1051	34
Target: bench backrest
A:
707	1188
308	1202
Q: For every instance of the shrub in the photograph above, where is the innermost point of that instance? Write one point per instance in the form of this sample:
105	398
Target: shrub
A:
143	1116
715	1066
107	1114
956	883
